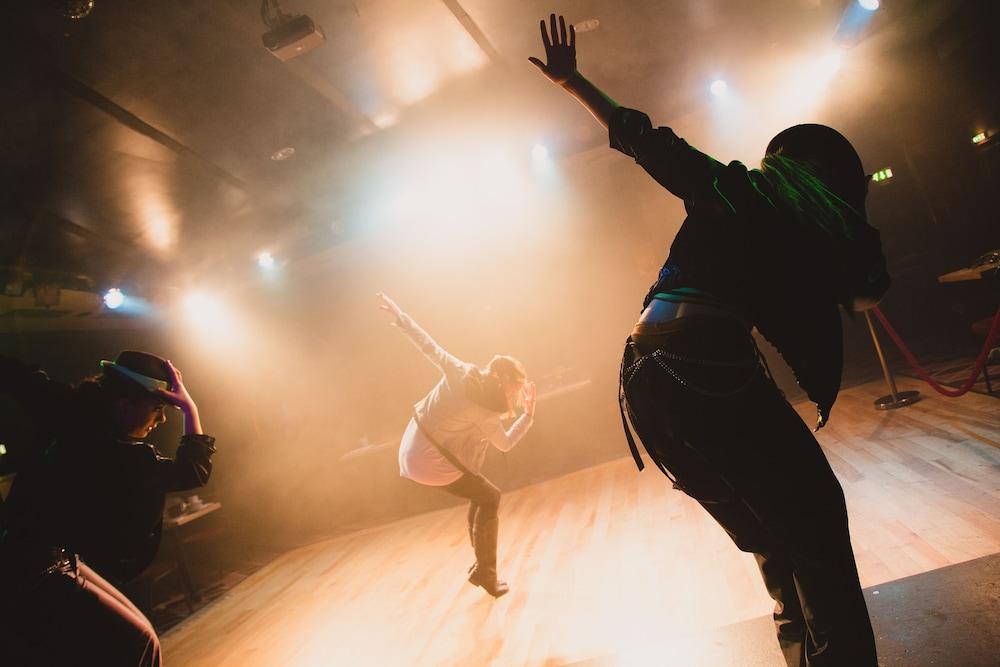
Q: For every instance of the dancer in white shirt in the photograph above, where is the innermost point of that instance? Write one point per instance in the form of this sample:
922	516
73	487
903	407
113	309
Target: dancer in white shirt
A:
446	440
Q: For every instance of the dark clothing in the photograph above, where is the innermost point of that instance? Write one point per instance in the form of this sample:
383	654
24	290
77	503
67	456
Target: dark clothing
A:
722	429
744	247
82	490
69	615
483	516
714	421
90	492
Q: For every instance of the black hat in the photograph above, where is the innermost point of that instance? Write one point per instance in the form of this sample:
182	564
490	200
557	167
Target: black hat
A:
146	370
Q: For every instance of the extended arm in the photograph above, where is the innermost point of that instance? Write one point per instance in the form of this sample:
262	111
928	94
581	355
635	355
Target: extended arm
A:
681	169
420	338
560	52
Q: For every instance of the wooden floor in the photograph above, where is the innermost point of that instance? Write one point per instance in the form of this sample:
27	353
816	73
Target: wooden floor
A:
606	565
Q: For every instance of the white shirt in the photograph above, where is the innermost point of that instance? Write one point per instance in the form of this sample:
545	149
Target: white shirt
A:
456	423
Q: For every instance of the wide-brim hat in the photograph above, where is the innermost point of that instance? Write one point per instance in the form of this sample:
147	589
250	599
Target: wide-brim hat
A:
145	369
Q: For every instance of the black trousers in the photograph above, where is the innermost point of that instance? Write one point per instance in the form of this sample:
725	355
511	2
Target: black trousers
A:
483	516
710	416
73	616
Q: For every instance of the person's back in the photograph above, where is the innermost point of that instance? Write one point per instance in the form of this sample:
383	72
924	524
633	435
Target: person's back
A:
780	249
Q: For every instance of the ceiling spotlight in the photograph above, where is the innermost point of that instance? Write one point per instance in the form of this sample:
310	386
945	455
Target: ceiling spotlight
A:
719	87
586	26
283	154
289	35
114	298
539	152
870	5
265	260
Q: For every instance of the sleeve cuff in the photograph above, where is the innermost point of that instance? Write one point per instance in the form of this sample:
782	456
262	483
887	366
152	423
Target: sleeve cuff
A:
206	441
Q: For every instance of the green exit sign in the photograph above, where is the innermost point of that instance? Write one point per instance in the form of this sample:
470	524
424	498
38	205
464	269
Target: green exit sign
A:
882	175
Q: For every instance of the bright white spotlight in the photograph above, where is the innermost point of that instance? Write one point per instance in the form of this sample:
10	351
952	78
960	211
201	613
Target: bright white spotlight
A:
870	5
719	87
830	64
114	298
265	260
539	152
199	304
213	320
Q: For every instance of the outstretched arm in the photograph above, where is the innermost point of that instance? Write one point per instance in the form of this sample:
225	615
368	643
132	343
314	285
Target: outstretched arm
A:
681	169
437	354
560	69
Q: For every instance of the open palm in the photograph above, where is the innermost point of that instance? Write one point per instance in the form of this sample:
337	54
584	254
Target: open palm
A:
560	51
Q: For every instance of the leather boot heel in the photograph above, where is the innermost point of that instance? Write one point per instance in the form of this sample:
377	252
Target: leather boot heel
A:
488	581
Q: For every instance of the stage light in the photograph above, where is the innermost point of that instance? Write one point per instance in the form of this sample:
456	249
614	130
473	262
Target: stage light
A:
265	260
3	450
870	5
719	87
539	152
114	298
830	64
979	138
882	175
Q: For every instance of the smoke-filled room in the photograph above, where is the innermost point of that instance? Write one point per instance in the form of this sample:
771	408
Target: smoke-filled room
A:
467	333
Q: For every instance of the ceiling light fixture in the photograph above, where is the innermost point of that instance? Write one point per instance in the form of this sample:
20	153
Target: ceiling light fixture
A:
114	298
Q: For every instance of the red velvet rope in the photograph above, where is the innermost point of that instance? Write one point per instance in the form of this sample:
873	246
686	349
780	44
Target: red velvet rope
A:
977	368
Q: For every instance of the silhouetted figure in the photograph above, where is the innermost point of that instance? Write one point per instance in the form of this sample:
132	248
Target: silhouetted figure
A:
93	500
445	443
777	249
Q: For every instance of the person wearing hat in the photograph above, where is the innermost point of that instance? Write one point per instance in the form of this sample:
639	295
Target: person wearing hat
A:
780	249
87	509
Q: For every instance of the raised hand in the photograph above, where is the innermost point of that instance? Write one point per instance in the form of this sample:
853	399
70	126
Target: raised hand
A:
389	306
177	395
529	395
560	51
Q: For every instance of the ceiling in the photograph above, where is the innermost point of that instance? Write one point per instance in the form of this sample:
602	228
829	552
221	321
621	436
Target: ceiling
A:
138	140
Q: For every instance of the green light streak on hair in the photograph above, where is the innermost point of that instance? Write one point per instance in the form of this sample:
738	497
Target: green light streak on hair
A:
807	195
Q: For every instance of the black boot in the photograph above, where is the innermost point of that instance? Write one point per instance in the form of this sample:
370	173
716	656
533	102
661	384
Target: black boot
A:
473	512
484	573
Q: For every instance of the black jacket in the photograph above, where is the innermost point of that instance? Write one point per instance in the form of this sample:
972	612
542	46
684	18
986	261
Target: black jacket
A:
87	490
744	247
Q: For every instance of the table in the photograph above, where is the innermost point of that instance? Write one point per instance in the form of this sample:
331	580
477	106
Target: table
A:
170	528
969	273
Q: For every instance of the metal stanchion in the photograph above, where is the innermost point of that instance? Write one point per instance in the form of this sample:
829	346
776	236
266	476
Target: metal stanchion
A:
895	398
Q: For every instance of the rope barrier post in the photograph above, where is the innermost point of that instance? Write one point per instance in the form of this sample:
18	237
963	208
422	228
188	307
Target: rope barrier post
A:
895	398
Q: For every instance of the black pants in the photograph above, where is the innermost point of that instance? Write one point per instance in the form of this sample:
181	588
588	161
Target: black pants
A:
483	517
73	616
723	430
